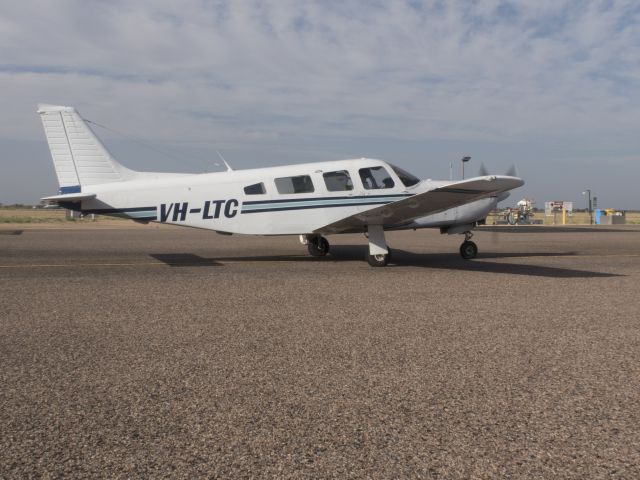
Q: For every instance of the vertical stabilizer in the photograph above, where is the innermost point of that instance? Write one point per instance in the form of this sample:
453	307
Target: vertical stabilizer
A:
78	156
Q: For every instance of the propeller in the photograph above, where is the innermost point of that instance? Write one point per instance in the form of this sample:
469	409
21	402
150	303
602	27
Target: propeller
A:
512	172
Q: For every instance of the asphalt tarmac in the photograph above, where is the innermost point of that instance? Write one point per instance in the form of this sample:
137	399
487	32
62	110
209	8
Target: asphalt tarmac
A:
151	352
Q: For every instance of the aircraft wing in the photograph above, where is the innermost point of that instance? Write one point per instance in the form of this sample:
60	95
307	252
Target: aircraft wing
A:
440	198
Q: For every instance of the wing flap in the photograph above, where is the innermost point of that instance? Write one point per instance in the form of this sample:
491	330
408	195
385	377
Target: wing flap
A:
436	200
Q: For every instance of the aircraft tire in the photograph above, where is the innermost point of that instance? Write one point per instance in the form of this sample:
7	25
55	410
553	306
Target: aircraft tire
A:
378	260
468	250
318	247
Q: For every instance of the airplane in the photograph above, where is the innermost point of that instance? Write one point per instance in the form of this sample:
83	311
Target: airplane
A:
311	200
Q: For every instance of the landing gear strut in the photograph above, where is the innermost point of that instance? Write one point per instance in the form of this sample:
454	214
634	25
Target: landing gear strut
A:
318	246
468	249
378	254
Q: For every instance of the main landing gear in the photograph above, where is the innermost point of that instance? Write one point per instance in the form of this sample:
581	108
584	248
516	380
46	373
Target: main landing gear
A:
379	254
317	245
380	260
468	249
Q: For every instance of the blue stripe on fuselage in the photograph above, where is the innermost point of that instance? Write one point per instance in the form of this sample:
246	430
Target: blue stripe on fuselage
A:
318	202
136	213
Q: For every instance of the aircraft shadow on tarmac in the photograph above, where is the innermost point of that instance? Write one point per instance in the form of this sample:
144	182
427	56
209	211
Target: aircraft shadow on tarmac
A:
402	258
184	260
452	261
11	232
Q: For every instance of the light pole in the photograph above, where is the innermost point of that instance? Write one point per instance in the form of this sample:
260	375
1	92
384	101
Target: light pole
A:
464	160
588	192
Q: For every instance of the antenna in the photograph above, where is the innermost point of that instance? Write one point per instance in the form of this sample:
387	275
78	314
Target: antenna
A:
229	169
141	142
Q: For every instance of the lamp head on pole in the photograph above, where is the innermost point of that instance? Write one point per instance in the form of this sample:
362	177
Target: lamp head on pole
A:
464	160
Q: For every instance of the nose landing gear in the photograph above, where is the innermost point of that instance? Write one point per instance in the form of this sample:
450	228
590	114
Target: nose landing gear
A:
468	249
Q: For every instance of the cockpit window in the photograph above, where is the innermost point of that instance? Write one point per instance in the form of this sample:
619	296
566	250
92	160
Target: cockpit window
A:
339	181
405	177
374	178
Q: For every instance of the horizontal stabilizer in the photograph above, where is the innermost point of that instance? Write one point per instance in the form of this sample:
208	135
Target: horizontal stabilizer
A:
69	197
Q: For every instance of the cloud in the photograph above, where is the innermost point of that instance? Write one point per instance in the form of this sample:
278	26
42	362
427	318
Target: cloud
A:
238	73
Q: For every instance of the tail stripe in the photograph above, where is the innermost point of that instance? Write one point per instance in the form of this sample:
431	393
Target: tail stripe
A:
71	189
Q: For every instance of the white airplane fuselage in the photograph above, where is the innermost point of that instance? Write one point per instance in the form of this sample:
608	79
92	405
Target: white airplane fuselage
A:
217	201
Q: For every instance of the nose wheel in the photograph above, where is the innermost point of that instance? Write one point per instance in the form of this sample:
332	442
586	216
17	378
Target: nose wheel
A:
468	249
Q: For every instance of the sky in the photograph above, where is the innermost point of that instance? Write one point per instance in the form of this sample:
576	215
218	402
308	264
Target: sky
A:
550	86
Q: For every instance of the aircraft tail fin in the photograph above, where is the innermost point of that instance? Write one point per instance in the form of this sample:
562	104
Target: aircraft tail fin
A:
79	157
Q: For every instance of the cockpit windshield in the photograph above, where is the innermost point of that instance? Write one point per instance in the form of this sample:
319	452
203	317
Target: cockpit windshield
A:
405	177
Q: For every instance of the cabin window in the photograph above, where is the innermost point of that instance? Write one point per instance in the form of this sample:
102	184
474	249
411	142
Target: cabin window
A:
255	189
298	184
374	178
339	181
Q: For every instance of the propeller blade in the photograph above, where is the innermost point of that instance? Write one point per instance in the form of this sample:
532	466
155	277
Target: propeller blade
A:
483	171
512	172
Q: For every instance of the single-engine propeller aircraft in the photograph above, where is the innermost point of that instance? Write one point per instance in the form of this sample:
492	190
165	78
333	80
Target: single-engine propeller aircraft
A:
310	200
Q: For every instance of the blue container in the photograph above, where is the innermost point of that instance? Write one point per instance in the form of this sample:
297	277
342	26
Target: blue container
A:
598	214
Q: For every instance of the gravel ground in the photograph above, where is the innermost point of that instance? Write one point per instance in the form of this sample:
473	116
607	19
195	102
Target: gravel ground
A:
161	352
